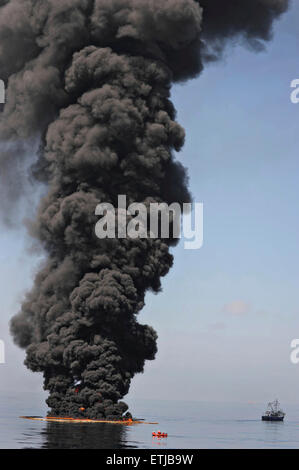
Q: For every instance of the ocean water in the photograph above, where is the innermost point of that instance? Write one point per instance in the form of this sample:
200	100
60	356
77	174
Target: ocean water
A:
190	425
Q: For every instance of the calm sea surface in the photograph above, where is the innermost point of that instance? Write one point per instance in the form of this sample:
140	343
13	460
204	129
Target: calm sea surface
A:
188	424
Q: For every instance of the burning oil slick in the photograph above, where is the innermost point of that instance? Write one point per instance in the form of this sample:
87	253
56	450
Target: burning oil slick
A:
91	79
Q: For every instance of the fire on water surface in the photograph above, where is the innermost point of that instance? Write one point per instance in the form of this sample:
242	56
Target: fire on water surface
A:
58	419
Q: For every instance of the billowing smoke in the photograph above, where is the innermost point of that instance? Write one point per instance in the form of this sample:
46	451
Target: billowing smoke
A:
91	80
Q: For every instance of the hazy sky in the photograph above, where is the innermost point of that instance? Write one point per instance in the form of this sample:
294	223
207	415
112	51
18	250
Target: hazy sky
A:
228	312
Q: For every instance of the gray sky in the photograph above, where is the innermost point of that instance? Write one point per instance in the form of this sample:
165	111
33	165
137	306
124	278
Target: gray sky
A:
228	312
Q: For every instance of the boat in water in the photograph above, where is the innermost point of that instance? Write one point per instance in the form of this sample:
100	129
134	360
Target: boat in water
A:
273	412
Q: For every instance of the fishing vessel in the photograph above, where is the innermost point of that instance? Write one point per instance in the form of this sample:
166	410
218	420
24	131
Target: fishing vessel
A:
273	412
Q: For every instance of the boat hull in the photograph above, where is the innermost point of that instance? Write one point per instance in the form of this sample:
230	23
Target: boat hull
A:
272	418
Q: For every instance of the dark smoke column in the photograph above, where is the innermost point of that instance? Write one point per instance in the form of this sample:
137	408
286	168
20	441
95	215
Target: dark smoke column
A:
92	80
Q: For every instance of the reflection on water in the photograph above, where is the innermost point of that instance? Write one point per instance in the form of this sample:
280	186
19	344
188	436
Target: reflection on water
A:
83	436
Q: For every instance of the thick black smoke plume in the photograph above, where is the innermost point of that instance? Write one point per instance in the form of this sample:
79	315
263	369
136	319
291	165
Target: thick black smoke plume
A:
91	79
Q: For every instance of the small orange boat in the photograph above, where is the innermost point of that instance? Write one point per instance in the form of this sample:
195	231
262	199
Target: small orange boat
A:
160	434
